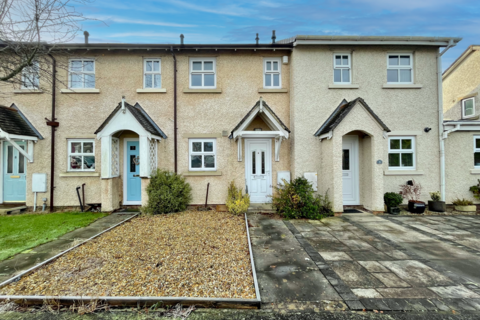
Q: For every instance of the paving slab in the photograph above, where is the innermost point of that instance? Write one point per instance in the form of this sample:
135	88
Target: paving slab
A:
335	256
391	280
437	250
368	255
83	233
373	266
354	275
357	245
367	293
317	234
324	245
407	293
454	292
416	273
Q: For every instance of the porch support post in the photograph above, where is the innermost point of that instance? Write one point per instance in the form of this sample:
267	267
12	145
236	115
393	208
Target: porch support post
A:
30	150
144	157
106	142
278	143
239	144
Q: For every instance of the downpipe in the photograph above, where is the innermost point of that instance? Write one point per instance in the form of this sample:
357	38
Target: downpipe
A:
174	108
52	123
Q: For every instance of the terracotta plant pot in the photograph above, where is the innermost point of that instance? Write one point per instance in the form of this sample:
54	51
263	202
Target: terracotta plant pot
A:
416	206
437	206
466	208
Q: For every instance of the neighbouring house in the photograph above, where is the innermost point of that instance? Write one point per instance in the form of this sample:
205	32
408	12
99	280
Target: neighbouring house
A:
356	115
461	106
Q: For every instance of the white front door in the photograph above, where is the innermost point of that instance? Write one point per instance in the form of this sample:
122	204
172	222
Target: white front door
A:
258	169
350	170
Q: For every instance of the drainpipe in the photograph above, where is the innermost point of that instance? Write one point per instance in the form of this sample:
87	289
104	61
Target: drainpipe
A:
174	108
440	117
52	123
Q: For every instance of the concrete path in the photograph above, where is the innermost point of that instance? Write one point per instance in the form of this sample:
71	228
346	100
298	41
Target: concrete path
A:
24	261
362	261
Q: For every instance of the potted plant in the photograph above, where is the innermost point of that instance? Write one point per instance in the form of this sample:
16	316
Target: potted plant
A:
476	190
464	205
412	191
393	200
435	204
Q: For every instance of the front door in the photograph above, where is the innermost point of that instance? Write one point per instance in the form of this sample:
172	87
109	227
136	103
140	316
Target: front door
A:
14	173
350	170
133	181
258	167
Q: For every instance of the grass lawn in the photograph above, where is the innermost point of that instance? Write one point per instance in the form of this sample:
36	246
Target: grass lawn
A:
21	232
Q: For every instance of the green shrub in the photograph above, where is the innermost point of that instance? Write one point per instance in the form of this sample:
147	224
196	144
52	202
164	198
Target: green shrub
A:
237	202
392	199
167	192
296	200
435	196
462	202
476	190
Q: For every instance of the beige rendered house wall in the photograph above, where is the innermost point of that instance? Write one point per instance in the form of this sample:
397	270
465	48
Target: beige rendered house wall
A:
404	111
120	73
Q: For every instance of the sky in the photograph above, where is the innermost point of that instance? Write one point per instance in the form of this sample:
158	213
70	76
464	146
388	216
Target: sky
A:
209	21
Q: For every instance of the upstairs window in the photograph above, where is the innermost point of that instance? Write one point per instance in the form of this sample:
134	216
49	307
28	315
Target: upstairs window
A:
152	74
401	153
81	73
400	69
202	155
31	76
81	155
468	108
342	68
476	151
202	73
272	71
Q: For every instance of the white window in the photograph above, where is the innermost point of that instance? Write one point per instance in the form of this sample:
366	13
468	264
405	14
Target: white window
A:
152	74
342	68
400	68
272	71
31	76
476	151
81	73
203	73
81	155
401	153
202	155
468	108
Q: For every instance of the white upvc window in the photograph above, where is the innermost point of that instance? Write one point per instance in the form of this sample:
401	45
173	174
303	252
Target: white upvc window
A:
468	108
81	155
203	73
81	73
342	68
152	74
476	151
401	153
400	68
202	154
31	76
272	71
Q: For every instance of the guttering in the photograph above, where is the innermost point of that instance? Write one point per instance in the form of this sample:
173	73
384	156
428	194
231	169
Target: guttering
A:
371	42
52	123
174	109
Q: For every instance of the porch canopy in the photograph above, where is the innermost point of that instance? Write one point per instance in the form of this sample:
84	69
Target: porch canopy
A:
279	130
133	118
14	126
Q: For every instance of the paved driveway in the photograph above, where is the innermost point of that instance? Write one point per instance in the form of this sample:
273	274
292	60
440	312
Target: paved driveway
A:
361	261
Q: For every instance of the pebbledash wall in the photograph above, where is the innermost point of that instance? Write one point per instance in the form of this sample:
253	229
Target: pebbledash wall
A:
120	73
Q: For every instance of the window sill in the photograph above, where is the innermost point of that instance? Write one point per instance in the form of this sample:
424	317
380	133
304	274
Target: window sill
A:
202	91
80	174
161	90
24	91
475	171
343	86
402	86
201	173
266	90
80	91
403	172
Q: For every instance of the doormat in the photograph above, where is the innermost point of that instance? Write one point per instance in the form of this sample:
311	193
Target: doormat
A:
352	211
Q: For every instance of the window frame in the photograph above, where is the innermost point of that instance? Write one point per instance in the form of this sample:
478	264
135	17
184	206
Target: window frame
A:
400	151
27	70
145	72
398	67
202	72
475	150
70	72
82	154
463	108
271	72
202	153
341	67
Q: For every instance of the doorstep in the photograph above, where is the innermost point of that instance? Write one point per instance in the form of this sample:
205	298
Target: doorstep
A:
9	210
261	207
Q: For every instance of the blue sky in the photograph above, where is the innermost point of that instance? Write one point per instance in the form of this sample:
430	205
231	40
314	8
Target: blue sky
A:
207	21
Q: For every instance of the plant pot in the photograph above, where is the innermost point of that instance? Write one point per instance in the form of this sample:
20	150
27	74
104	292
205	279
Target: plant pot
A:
437	206
466	208
394	210
416	206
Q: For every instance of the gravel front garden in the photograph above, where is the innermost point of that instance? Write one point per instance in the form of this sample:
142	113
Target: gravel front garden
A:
188	254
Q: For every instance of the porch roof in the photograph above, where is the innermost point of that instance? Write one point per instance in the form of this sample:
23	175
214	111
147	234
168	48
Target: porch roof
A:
142	117
341	112
13	122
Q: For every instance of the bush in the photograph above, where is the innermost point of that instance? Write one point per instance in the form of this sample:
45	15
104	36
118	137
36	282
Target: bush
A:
296	200
167	192
462	202
411	191
237	202
392	199
435	196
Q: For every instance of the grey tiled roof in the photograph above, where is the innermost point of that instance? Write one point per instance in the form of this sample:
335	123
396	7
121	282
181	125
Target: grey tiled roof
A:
12	121
142	117
341	112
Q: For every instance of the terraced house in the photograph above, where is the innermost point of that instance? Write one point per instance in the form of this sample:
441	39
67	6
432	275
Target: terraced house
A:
356	115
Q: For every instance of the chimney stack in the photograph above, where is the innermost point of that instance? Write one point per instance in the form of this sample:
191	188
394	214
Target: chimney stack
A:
181	39
257	39
86	34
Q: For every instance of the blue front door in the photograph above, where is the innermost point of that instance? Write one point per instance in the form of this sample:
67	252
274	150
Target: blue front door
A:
14	173
134	183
